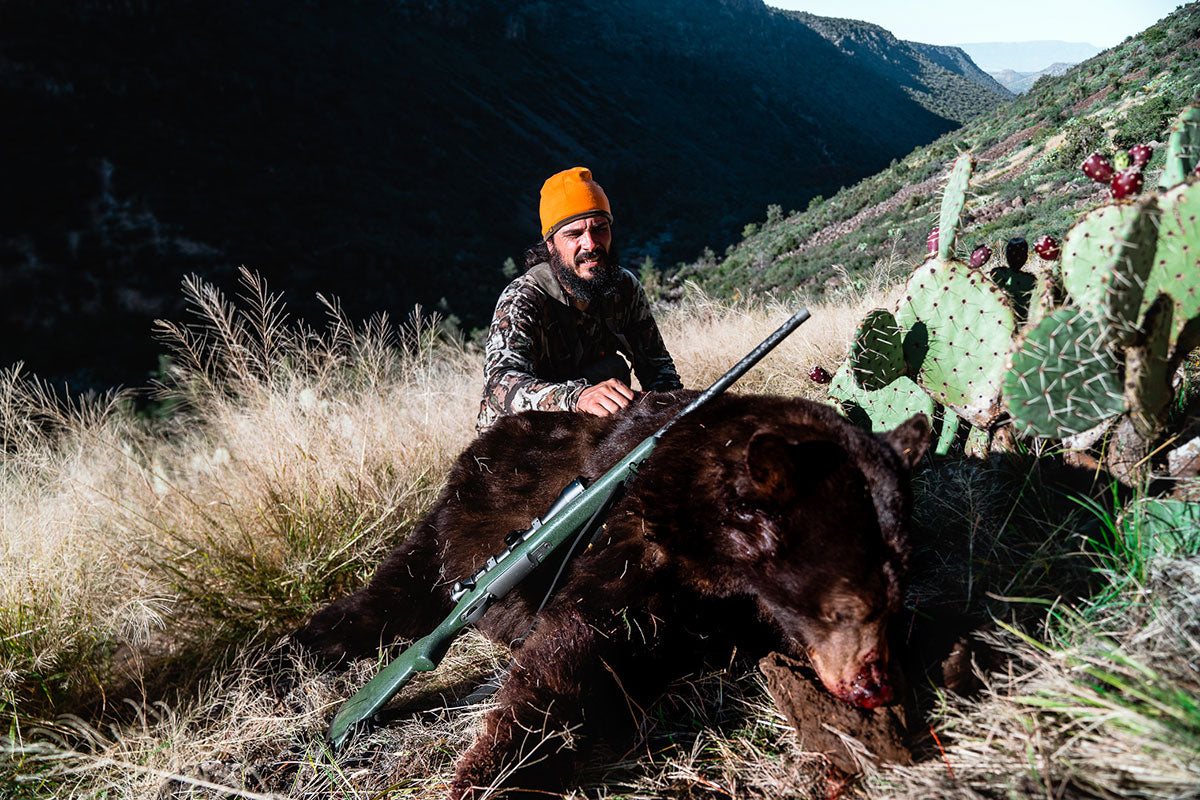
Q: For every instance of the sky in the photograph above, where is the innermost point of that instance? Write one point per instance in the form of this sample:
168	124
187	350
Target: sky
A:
1103	23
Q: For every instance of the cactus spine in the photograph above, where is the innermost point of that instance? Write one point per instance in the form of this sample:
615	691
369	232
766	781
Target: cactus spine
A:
953	200
1063	377
1183	149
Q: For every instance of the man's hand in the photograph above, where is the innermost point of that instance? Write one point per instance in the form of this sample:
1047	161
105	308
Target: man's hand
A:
604	398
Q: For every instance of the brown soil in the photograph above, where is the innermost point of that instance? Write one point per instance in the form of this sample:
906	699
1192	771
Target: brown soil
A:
816	714
1091	99
1003	148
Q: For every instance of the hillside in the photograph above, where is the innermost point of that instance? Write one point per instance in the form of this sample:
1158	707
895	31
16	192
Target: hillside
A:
944	79
957	61
1029	181
390	153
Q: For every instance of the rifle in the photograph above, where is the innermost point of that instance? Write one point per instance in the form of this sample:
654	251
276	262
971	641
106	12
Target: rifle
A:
576	510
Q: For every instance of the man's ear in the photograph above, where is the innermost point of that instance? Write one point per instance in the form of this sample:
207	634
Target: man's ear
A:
910	439
783	469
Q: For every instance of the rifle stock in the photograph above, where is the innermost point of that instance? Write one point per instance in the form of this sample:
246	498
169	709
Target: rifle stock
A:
505	570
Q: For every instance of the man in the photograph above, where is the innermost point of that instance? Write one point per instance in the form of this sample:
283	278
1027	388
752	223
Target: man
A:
560	329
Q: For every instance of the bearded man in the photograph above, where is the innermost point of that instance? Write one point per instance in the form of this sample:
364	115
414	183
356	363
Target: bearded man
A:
560	330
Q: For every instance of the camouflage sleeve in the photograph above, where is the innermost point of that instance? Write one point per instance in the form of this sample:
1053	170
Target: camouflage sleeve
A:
510	382
651	362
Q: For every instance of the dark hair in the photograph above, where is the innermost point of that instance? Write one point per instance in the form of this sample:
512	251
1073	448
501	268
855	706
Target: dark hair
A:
536	255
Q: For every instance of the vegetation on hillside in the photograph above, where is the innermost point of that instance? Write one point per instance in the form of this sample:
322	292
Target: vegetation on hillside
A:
943	79
1029	181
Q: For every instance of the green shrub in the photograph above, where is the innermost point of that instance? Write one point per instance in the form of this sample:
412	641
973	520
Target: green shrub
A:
1082	137
1146	122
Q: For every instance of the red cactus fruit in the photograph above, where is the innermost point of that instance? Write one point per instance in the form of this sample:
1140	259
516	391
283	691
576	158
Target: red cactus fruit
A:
819	375
1016	252
980	255
1127	183
1140	154
1097	168
931	242
1047	249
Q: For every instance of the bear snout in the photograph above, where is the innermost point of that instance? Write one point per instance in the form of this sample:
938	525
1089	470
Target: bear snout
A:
870	687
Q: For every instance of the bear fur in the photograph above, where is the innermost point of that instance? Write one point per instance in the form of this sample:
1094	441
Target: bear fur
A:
750	510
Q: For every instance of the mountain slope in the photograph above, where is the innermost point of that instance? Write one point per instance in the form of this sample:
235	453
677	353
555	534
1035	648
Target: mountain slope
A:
1027	182
957	61
391	152
932	76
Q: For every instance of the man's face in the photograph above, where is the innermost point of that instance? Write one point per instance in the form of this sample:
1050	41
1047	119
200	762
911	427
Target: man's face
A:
582	258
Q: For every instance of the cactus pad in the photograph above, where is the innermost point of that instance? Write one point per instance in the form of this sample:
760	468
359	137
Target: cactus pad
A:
876	354
1176	269
976	445
1183	149
1148	390
1018	285
1106	258
879	410
958	327
953	200
1045	296
1062	377
1171	527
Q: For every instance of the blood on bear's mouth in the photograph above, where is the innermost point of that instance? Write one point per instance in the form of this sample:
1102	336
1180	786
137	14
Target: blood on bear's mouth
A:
869	688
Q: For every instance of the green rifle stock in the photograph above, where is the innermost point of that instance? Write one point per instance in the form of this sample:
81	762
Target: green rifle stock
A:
524	553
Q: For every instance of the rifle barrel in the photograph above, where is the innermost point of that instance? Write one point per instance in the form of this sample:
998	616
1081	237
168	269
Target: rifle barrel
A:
739	369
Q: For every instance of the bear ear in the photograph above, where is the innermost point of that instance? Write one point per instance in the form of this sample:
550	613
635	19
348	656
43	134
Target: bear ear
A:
781	468
910	439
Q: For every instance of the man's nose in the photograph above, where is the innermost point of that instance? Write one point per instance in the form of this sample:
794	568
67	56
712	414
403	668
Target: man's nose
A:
587	242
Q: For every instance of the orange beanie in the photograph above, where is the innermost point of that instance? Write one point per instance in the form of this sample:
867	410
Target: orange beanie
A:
570	195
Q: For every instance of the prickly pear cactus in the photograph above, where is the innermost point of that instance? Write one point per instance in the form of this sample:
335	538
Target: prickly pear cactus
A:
1183	149
1106	259
976	445
884	409
880	409
953	200
1018	285
958	326
1169	527
1176	269
1063	377
1148	389
1046	295
876	354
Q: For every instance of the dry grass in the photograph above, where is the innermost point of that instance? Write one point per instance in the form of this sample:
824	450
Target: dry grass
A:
147	564
706	336
1081	712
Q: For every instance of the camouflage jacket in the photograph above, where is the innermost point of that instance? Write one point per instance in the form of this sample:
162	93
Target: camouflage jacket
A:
542	352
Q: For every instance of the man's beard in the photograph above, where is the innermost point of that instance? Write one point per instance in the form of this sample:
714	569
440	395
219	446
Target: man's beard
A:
604	275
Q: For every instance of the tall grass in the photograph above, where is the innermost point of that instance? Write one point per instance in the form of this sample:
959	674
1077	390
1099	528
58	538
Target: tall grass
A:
293	460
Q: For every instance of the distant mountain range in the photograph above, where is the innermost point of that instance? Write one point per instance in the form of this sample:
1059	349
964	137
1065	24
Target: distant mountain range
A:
1021	82
390	151
1027	57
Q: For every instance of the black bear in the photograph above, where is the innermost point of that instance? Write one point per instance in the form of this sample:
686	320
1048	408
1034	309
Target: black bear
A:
757	509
